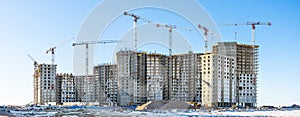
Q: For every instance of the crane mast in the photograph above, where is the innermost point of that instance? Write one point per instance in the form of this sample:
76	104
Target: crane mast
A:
253	25
170	27
135	19
205	32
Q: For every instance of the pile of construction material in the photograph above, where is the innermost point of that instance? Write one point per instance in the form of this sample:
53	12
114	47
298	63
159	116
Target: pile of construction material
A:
164	105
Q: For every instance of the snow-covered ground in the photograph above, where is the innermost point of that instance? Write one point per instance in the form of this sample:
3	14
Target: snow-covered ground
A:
292	113
127	112
279	113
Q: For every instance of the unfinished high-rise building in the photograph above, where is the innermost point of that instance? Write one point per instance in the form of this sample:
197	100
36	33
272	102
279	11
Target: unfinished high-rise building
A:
142	77
131	67
157	73
225	77
45	84
149	76
87	89
107	75
185	80
79	84
218	80
66	88
246	57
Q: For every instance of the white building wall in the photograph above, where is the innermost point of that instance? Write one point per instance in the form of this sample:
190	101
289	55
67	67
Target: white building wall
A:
218	85
247	93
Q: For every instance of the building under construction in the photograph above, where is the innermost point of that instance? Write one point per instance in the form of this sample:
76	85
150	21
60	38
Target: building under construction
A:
186	77
44	84
131	68
77	90
56	89
225	77
146	77
218	80
87	89
157	75
137	78
246	57
66	88
107	75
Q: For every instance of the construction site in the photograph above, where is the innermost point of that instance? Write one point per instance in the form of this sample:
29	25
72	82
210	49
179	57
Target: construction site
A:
227	76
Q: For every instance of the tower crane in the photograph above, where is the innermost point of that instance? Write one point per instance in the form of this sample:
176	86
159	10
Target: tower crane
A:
253	26
205	32
87	57
135	19
52	49
170	27
87	48
35	63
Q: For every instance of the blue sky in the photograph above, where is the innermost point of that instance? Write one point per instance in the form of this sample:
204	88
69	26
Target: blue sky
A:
31	27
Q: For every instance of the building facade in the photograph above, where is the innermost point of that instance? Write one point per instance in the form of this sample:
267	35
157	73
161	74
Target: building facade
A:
146	77
142	77
66	88
219	81
157	74
45	84
246	57
107	75
225	77
87	89
186	77
131	68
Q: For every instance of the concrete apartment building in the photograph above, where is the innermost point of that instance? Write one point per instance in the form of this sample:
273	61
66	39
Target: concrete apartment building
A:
144	77
87	89
107	75
222	78
131	68
218	80
246	57
73	90
186	77
44	84
157	74
138	75
66	88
